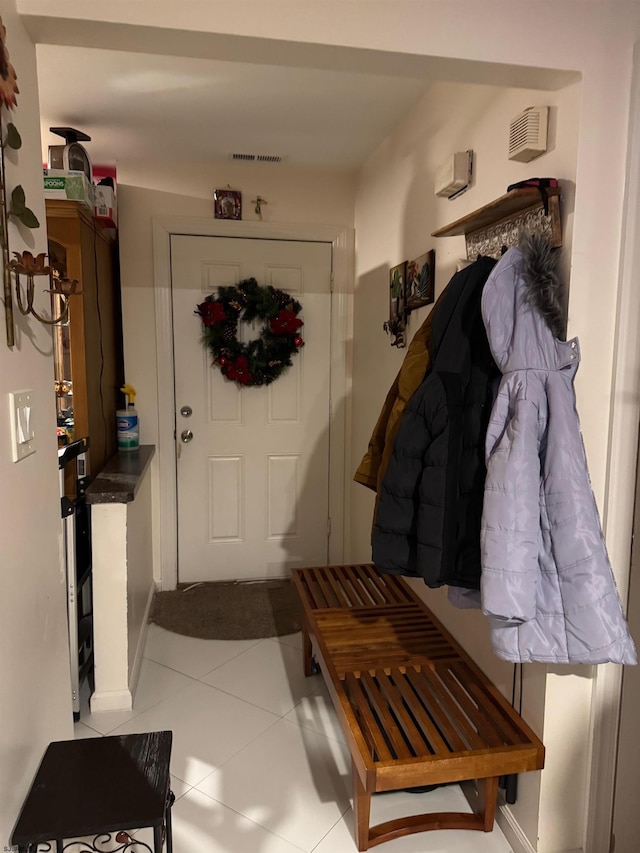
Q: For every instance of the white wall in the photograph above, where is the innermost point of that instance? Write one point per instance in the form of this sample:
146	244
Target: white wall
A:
123	588
35	693
140	585
149	189
110	629
396	211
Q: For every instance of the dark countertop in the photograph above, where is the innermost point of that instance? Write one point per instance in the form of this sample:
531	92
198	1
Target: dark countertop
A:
118	481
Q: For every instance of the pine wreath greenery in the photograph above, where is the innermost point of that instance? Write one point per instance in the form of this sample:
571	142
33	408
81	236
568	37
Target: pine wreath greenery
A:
262	360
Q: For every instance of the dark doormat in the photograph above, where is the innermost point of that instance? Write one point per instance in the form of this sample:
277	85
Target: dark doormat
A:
229	610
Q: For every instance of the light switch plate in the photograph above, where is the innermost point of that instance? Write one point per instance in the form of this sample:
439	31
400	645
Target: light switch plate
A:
23	437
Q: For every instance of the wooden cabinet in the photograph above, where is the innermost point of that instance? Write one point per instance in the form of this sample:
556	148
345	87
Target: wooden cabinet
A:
88	347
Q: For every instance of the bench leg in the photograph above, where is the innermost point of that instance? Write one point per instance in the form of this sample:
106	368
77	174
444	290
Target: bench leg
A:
488	800
361	810
482	796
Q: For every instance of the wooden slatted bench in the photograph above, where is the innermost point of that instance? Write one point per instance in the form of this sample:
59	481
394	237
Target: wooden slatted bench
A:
414	707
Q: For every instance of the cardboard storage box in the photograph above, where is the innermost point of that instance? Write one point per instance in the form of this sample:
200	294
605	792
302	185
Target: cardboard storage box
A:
70	185
106	208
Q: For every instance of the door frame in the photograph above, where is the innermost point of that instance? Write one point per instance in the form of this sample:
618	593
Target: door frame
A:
620	486
342	240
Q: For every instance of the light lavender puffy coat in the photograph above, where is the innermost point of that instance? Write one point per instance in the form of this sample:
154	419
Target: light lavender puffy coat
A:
547	582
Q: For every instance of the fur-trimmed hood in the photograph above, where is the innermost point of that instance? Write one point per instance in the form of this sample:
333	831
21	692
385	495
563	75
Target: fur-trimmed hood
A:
523	310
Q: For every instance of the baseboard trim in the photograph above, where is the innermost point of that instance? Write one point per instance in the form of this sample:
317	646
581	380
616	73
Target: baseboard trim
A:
512	831
111	700
515	836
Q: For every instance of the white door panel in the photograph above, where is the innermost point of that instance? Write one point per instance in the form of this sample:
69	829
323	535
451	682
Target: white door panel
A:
253	481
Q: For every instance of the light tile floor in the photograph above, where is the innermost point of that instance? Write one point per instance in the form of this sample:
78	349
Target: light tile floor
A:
259	763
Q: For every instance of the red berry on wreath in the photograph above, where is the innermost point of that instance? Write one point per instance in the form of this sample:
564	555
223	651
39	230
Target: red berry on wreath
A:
222	361
298	341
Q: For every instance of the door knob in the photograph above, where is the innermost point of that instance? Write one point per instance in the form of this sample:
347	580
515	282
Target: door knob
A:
186	435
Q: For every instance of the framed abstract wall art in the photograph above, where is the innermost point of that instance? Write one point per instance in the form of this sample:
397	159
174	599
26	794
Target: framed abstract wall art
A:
421	280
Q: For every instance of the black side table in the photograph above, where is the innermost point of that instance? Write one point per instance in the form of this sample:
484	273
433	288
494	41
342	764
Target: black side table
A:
96	786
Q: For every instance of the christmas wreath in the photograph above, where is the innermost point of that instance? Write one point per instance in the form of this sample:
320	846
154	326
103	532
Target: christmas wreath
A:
265	358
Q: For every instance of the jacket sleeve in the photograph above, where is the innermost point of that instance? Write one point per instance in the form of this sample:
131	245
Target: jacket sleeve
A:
368	471
510	534
374	464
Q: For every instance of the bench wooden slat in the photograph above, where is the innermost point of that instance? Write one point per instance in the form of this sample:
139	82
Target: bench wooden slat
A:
359	591
393	697
359	586
422	689
386	592
329	594
384	714
486	730
450	707
495	713
435	740
313	588
371	589
369	725
337	587
358	639
351	584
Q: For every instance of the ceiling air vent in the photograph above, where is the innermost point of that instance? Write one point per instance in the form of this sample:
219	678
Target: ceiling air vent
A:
257	158
528	134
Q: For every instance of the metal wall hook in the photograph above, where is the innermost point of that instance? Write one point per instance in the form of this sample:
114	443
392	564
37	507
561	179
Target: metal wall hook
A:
259	201
31	267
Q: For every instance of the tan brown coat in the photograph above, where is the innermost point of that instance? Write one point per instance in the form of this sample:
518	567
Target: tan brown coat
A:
374	463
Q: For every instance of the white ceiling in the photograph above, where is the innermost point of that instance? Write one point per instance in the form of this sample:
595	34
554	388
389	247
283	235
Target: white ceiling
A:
317	106
144	105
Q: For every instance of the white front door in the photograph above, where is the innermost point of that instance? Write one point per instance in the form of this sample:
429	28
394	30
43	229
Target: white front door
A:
253	482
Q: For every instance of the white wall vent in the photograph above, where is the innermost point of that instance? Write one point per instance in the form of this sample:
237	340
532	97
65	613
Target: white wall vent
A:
528	134
454	176
257	158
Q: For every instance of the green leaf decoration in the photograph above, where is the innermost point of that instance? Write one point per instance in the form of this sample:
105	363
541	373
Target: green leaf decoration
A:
18	202
28	218
13	140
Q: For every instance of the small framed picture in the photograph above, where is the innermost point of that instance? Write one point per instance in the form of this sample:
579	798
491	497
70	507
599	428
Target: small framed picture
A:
227	204
421	280
397	322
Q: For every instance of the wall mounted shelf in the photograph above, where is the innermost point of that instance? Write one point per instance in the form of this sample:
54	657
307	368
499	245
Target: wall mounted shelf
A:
499	223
